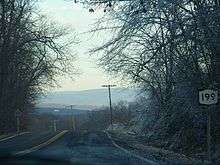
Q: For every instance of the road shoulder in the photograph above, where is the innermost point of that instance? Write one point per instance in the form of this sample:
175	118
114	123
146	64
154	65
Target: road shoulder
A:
148	152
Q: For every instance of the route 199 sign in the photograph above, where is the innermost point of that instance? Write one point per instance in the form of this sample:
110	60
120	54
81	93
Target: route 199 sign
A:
208	97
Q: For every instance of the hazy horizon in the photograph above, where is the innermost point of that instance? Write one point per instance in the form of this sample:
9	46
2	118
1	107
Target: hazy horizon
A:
76	16
93	97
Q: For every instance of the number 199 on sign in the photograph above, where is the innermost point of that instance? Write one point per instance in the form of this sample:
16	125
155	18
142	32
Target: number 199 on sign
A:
208	97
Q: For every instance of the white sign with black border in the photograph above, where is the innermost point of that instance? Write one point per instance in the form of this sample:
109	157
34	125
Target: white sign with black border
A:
208	97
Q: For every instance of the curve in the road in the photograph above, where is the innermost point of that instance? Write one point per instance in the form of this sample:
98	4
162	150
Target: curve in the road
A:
44	144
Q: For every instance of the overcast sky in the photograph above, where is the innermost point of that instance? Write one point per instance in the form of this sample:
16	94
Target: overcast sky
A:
68	13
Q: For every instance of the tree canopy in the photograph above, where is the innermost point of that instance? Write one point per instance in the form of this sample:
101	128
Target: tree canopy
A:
170	48
32	52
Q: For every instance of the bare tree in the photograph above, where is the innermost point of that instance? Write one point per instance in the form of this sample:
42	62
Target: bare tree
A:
167	47
32	52
122	113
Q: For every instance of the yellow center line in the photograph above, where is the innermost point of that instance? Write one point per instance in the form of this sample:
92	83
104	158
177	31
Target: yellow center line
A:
10	137
44	144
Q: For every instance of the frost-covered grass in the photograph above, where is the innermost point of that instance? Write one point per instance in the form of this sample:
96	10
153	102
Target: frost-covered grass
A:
132	143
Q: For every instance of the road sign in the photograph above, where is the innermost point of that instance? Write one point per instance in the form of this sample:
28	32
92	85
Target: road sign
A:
208	97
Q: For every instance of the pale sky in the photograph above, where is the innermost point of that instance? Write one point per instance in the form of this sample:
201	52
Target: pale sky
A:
68	13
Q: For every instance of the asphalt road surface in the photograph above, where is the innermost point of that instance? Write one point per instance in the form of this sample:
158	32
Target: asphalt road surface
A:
94	148
88	148
24	141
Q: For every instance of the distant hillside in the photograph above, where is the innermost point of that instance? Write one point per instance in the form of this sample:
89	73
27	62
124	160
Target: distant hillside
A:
87	98
59	111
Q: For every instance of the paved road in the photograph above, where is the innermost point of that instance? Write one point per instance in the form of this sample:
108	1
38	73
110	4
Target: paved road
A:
90	148
94	148
24	141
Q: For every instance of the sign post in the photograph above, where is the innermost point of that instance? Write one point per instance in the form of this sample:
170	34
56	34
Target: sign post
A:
208	97
17	115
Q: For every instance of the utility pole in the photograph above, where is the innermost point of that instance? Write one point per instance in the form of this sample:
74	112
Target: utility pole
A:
17	115
54	125
72	118
110	102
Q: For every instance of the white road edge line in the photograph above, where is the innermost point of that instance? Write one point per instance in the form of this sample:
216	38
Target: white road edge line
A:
35	148
130	153
10	137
